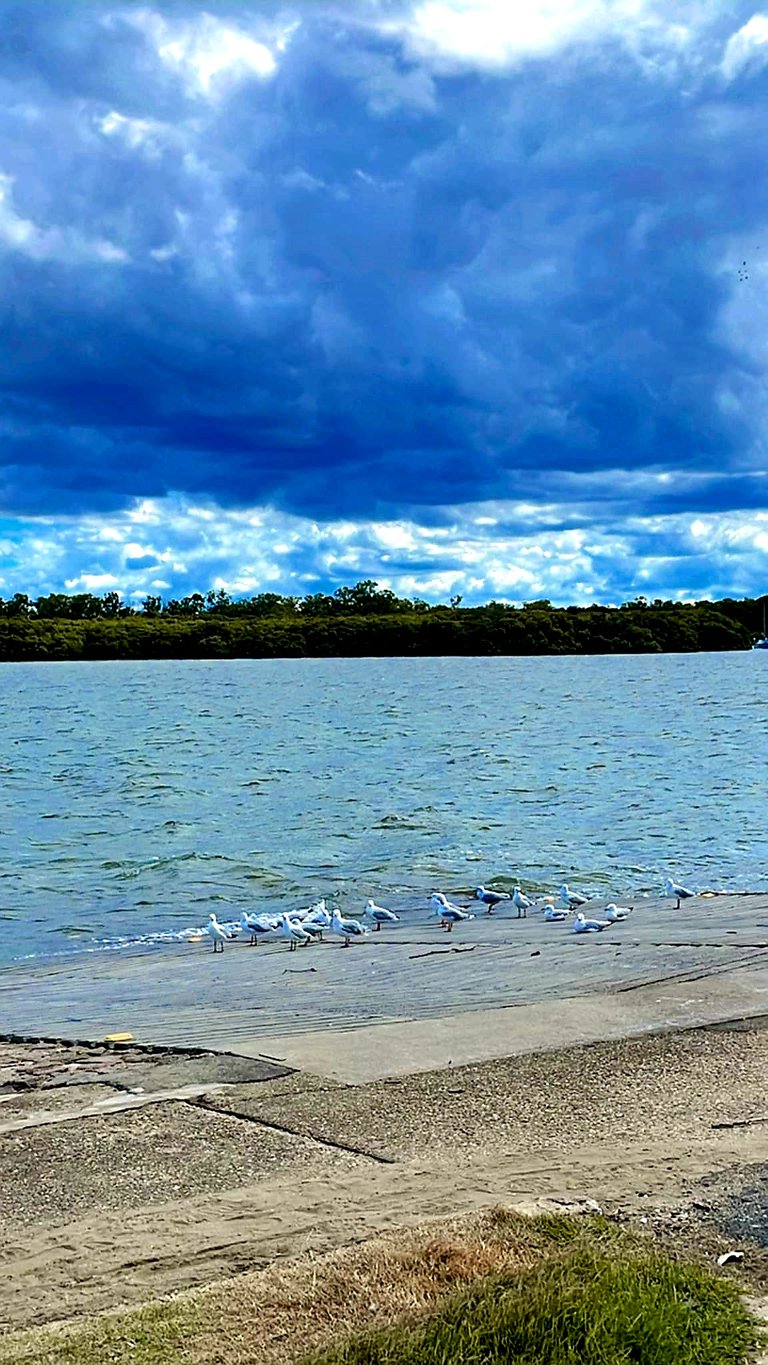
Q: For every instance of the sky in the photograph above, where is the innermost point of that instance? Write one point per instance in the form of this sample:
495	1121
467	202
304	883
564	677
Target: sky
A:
465	296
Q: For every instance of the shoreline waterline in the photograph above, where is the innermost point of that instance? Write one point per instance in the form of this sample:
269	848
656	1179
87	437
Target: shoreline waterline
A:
235	1000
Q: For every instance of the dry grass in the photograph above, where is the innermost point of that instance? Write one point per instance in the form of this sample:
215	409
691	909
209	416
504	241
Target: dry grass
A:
278	1315
302	1308
287	1311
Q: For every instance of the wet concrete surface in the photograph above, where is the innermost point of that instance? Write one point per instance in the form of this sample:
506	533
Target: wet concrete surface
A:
182	995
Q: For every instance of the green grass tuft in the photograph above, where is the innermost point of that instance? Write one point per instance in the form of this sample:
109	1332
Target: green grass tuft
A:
585	1307
148	1336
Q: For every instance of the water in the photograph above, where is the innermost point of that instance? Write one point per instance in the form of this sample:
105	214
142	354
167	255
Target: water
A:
141	796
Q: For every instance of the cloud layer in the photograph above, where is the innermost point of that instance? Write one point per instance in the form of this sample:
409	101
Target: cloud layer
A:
385	264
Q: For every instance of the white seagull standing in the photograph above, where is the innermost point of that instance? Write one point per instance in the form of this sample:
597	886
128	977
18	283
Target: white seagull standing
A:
521	903
447	914
317	914
379	915
217	933
248	926
294	934
570	899
258	927
553	914
491	898
674	889
310	926
614	913
582	925
347	928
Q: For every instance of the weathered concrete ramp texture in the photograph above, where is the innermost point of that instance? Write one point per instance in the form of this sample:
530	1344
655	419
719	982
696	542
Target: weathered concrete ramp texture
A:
508	985
380	1050
51	1084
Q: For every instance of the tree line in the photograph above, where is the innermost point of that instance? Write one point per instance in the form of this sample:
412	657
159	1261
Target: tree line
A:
363	599
360	621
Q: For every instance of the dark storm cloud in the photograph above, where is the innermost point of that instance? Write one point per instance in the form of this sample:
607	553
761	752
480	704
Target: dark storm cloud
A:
367	283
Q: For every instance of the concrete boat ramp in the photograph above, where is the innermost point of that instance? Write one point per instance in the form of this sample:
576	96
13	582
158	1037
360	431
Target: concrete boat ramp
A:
414	998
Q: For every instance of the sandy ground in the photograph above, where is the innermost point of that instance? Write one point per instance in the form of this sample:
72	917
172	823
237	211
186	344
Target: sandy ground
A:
113	1209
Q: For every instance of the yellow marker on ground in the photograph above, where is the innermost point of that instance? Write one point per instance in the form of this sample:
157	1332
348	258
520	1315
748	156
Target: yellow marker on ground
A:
118	1038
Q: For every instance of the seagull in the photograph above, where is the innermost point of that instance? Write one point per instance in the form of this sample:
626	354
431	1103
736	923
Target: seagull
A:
614	913
258	927
379	915
570	899
294	934
581	925
447	914
674	889
217	933
264	921
491	898
347	928
441	902
309	926
317	914
555	913
248	926
521	903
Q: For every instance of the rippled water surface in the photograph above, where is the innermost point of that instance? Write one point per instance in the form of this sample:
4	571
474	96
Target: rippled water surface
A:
141	796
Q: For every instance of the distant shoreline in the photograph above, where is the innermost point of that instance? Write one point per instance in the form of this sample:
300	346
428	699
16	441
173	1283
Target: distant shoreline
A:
238	631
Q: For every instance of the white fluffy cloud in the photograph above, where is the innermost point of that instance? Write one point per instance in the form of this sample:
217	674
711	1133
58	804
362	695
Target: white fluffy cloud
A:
498	551
747	49
206	51
497	33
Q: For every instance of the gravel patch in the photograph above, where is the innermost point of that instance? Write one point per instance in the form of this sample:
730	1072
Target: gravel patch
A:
736	1203
606	1092
25	1103
27	1065
51	1065
213	1068
172	1152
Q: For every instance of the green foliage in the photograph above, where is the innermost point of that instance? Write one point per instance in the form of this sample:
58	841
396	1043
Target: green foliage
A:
363	620
153	1335
584	1306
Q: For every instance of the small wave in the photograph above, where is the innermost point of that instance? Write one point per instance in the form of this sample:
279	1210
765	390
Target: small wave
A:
130	868
163	937
395	822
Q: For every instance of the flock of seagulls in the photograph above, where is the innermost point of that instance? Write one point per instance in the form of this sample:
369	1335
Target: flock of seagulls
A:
301	927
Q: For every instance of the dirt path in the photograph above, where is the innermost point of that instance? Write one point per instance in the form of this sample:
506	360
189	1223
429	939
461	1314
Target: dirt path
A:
112	1210
101	1262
